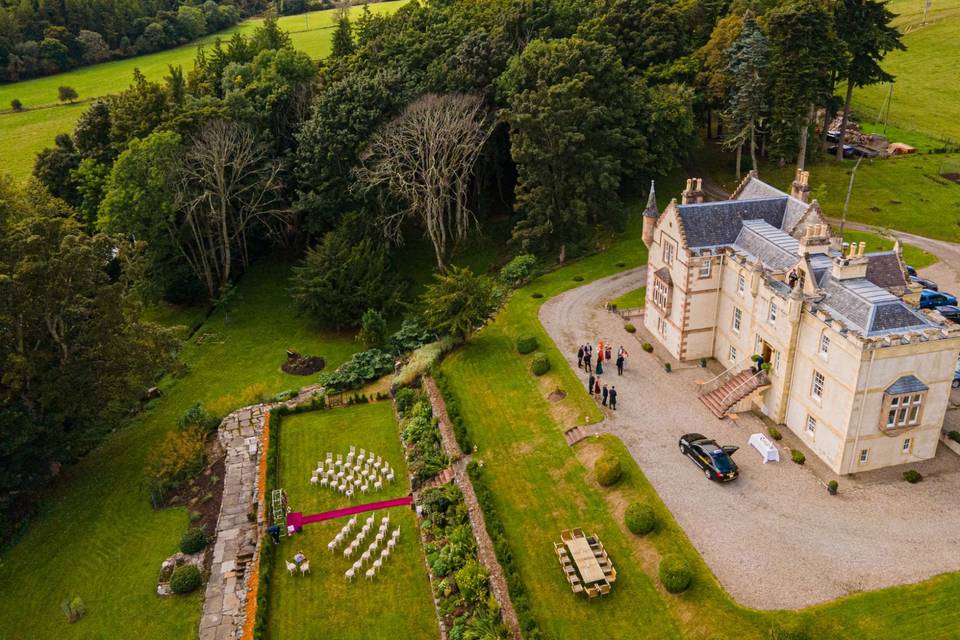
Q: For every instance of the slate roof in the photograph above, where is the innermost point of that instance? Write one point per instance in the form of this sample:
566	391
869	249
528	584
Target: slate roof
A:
906	384
774	248
711	224
793	208
867	308
884	270
664	274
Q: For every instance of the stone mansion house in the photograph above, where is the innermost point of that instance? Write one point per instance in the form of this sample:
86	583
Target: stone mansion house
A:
849	365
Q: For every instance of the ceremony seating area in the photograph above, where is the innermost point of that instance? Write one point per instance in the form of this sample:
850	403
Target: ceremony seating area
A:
585	563
371	552
354	473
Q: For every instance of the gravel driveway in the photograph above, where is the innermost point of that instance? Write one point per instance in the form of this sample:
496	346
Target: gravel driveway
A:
774	538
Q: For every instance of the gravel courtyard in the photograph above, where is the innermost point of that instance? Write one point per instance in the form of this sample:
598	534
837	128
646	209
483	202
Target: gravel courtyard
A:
774	538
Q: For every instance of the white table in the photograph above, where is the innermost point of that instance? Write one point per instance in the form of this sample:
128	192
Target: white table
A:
767	450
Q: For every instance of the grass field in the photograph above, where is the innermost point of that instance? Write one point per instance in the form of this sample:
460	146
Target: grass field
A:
97	536
926	93
398	602
32	130
906	193
542	486
632	300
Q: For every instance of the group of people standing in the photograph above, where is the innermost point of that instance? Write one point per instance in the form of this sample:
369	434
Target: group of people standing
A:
595	385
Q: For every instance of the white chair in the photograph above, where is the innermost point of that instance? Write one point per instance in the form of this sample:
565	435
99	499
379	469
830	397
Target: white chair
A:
348	551
379	537
348	493
304	567
391	543
340	474
385	520
357	565
377	564
369	574
370	520
340	458
390	477
377	485
385	553
329	456
365	556
325	482
396	534
291	567
314	480
364	488
349	574
332	545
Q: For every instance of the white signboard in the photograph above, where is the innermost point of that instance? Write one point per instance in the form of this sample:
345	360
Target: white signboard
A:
769	452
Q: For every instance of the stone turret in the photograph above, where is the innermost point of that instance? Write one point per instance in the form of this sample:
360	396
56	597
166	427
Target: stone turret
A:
650	216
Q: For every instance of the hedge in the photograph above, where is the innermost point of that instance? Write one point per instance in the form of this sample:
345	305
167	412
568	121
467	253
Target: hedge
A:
527	344
540	364
607	470
640	518
453	412
675	573
518	595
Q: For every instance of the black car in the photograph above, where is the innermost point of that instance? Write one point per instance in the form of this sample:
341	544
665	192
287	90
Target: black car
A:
713	459
910	270
926	284
950	312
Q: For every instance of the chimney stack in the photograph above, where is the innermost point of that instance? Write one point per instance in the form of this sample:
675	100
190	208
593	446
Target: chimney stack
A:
852	265
693	194
800	189
816	239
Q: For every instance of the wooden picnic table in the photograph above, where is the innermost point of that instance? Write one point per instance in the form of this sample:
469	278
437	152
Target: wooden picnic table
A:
587	564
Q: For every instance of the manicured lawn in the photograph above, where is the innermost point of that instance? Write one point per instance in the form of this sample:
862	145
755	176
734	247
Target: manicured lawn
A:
30	131
97	536
914	256
542	486
905	193
398	602
926	93
633	300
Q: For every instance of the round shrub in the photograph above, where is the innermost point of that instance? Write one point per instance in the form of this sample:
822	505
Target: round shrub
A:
640	518
527	344
194	540
629	328
775	433
185	579
540	364
578	278
646	346
797	456
621	264
536	295
912	476
675	573
607	470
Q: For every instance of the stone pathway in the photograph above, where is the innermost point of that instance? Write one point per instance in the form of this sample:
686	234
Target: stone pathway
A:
237	539
487	555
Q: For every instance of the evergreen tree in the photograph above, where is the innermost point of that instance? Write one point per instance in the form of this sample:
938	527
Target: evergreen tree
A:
458	301
804	54
342	37
864	26
749	58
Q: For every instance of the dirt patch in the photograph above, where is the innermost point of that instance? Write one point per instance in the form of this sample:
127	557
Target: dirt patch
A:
557	395
202	495
298	365
952	177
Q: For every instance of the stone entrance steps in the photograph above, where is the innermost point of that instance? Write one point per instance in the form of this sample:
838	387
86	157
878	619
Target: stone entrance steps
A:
721	399
576	434
441	478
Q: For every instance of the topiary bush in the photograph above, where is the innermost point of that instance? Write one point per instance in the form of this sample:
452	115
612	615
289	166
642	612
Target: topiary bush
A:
675	573
607	470
640	518
629	328
194	540
955	436
646	346
912	476
527	344
667	367
797	456
185	579
775	433
540	364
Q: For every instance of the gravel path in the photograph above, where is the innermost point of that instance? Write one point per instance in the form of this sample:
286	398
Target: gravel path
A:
774	538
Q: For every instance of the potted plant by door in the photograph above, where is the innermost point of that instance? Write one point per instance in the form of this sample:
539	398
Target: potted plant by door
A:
832	487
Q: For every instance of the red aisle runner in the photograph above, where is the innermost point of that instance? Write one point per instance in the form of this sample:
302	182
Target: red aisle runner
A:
297	519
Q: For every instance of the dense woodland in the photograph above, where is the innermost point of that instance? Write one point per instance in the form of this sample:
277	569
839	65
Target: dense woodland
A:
428	123
41	37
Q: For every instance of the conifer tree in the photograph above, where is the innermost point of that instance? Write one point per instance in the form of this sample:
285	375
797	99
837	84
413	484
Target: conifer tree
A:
749	59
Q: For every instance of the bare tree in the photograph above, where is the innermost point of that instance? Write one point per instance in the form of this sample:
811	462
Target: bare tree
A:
425	158
228	185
